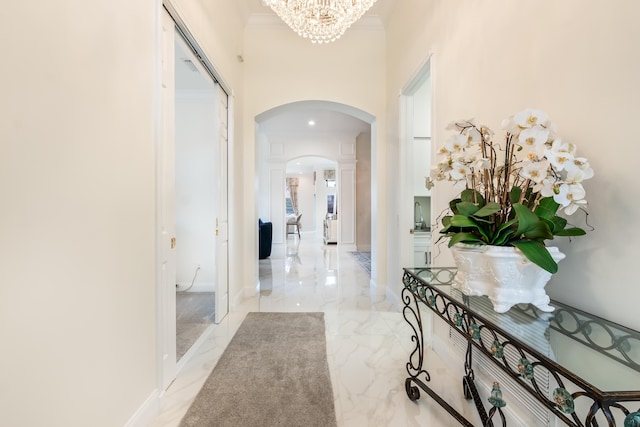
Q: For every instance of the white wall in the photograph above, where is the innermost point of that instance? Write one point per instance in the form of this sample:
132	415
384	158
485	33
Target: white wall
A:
576	65
196	193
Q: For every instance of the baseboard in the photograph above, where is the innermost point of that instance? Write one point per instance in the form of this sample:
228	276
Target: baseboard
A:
350	247
147	412
394	298
197	287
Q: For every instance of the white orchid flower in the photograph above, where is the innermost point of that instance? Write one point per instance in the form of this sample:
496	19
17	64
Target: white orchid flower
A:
579	168
459	171
574	206
470	155
559	155
533	139
530	117
510	126
456	143
535	171
443	151
473	135
576	175
549	187
460	184
570	197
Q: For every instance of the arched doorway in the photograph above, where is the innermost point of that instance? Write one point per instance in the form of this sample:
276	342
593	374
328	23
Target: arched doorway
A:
321	129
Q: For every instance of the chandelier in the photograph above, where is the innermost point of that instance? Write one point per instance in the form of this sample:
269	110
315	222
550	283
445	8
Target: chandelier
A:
321	21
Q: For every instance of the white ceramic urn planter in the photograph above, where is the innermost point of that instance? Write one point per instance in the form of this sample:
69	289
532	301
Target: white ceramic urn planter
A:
503	274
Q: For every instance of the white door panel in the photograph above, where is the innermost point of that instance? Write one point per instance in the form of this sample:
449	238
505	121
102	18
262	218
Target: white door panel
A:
222	221
166	209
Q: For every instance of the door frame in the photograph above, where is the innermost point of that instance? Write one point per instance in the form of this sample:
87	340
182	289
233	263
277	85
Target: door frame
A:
165	317
406	222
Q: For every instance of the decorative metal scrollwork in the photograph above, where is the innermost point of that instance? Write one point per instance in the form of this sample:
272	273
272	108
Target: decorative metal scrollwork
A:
421	287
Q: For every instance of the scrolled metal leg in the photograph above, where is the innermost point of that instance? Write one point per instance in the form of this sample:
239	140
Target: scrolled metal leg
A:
412	391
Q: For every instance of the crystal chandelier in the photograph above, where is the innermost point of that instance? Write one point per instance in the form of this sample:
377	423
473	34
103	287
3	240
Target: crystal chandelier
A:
321	21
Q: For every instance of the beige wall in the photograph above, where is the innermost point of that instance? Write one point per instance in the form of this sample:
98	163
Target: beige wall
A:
363	192
577	61
77	303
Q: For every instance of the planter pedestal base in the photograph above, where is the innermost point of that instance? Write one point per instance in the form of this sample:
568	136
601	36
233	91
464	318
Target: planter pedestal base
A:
503	274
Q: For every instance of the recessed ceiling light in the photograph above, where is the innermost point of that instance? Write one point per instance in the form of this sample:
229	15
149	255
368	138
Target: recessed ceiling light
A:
312	122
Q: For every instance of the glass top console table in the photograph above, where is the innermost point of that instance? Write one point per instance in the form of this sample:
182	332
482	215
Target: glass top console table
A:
592	365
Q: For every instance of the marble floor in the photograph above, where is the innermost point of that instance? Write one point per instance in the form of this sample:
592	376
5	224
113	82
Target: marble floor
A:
368	341
194	314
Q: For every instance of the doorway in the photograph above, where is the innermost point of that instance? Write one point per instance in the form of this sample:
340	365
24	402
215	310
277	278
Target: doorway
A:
326	130
416	218
307	193
192	194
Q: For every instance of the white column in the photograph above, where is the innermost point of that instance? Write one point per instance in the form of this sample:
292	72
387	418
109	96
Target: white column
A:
276	201
347	203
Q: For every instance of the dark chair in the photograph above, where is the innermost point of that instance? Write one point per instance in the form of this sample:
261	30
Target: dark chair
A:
265	235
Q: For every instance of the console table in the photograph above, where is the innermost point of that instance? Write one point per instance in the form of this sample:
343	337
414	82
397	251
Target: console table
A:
593	365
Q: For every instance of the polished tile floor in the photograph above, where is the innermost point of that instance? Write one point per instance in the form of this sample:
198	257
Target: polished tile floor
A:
368	341
194	314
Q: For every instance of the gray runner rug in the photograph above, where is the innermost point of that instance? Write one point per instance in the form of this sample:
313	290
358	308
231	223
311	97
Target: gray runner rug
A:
274	372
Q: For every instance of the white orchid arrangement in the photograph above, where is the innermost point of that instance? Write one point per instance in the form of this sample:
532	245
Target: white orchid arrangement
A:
511	193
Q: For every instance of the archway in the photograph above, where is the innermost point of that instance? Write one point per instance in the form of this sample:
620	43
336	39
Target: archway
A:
321	129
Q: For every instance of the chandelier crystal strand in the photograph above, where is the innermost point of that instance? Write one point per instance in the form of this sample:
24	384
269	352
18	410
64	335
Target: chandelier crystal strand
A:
321	21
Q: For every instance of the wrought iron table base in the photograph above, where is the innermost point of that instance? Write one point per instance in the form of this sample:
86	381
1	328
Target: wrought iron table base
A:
456	312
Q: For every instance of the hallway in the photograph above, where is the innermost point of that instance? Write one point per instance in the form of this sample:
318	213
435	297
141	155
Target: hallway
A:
368	341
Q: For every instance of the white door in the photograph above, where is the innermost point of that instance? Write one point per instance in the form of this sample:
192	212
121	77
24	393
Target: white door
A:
165	166
222	217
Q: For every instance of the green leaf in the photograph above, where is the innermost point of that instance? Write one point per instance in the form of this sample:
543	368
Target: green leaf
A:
558	223
468	222
537	253
488	209
453	205
505	232
463	221
468	196
446	224
540	232
527	220
467	208
469	238
574	231
547	208
514	195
